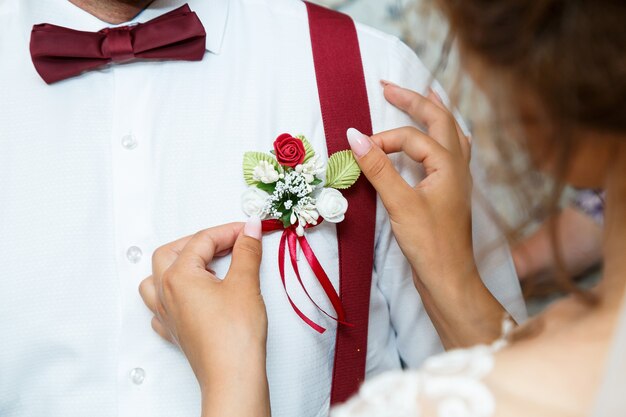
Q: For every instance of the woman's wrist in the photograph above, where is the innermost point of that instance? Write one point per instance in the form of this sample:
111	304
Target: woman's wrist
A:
237	389
480	321
461	307
447	276
232	363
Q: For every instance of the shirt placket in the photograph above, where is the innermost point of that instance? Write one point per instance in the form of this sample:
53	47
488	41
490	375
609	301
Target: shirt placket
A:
131	149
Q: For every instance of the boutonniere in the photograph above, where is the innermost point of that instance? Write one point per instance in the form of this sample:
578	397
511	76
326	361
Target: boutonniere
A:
292	189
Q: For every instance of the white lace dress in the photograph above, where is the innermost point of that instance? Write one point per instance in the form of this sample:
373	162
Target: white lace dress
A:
448	385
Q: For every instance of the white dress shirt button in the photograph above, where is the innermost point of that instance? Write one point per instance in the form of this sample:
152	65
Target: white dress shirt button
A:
129	141
137	375
134	254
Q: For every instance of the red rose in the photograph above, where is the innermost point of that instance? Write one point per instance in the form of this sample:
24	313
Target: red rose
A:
289	150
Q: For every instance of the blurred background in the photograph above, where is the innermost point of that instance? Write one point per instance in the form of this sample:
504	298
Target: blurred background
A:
420	26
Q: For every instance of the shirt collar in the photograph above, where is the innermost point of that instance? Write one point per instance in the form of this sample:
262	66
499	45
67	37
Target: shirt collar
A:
212	13
214	16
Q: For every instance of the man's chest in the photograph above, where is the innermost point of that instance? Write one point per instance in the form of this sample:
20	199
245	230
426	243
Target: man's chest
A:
138	155
99	170
163	142
95	178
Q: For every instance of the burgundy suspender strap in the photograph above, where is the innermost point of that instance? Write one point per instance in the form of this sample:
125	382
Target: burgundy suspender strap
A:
344	103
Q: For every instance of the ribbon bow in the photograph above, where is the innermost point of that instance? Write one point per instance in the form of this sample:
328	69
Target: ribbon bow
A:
59	53
289	241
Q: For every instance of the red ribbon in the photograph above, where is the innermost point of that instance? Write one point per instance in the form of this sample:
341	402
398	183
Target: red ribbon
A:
289	241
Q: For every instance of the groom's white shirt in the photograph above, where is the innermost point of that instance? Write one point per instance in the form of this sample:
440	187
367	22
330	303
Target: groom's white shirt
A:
99	170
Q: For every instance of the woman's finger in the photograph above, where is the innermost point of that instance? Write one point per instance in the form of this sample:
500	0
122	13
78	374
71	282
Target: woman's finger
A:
379	170
148	293
166	255
202	247
223	253
415	144
464	141
436	98
247	254
438	121
466	146
161	330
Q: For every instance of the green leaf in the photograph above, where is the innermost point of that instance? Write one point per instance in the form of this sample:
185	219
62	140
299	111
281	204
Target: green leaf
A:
251	160
308	148
342	170
316	181
286	219
268	188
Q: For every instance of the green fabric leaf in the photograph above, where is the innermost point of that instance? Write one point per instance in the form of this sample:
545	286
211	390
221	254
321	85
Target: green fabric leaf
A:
342	170
286	219
308	148
251	160
268	188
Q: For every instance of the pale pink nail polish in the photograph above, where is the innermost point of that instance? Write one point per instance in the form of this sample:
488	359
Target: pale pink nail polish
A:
359	143
253	228
386	83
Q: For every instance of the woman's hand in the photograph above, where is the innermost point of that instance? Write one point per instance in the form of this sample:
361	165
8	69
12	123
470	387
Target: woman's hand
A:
220	325
432	219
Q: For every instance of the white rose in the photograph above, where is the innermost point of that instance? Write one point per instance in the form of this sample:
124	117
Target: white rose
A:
265	173
332	205
253	202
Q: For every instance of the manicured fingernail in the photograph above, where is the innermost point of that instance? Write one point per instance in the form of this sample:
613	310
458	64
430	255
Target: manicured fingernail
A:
253	228
359	143
386	83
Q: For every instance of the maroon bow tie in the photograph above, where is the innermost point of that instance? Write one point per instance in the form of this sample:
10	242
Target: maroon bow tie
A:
59	53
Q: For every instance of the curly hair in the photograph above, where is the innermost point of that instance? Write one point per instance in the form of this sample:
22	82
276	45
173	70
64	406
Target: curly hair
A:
558	67
569	53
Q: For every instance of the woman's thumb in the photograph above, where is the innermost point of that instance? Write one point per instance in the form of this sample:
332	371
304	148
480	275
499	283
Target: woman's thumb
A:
377	167
247	252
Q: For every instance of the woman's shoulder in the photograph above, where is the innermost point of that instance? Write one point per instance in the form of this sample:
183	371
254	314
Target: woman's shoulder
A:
541	374
553	366
448	384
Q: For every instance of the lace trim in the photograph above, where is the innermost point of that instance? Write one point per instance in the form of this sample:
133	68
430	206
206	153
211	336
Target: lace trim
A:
448	385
